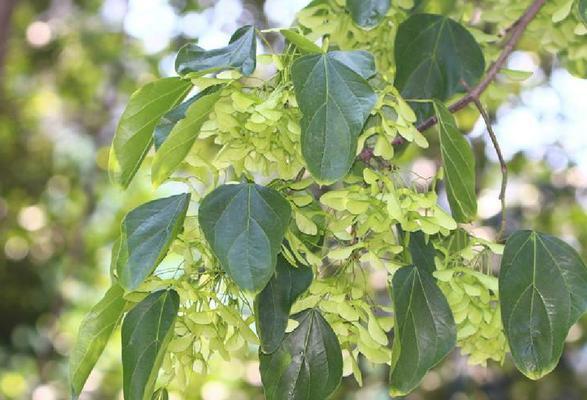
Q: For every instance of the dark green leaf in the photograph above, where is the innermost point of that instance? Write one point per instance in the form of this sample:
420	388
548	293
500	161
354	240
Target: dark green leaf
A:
422	252
146	234
183	135
146	331
273	303
360	61
457	241
133	136
245	224
335	100
300	41
240	54
307	365
459	166
582	8
542	291
169	120
425	330
433	54
368	13
94	332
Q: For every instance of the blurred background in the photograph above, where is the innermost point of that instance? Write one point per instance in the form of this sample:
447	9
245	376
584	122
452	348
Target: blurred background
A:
67	68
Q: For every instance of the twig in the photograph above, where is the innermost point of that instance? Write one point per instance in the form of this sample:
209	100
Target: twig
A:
515	32
502	163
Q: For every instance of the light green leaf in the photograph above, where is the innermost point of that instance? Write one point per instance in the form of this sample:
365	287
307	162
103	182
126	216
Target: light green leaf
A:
425	330
182	136
93	335
300	41
542	291
240	54
433	54
244	225
516	75
146	234
273	303
459	166
146	331
133	136
307	365
368	13
563	11
335	100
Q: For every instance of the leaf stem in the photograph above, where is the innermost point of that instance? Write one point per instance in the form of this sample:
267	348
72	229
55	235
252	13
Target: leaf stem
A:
502	163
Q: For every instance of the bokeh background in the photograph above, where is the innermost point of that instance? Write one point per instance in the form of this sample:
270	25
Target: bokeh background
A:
67	68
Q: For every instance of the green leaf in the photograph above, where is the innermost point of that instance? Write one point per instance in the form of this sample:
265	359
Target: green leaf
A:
307	365
360	61
582	8
273	303
300	41
335	100
171	118
422	252
146	234
244	225
240	54
425	330
368	13
516	75
182	136
146	331
542	291
133	136
459	166
433	54
93	335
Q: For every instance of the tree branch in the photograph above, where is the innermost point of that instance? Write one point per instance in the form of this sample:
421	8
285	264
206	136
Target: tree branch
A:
502	163
515	33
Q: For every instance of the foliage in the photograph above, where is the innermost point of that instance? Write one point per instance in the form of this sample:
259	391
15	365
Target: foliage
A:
322	213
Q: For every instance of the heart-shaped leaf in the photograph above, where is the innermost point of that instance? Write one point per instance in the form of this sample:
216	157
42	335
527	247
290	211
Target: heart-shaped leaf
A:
240	54
134	134
368	13
433	54
146	331
307	365
244	225
458	162
94	332
273	303
146	234
425	330
183	135
542	292
335	100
